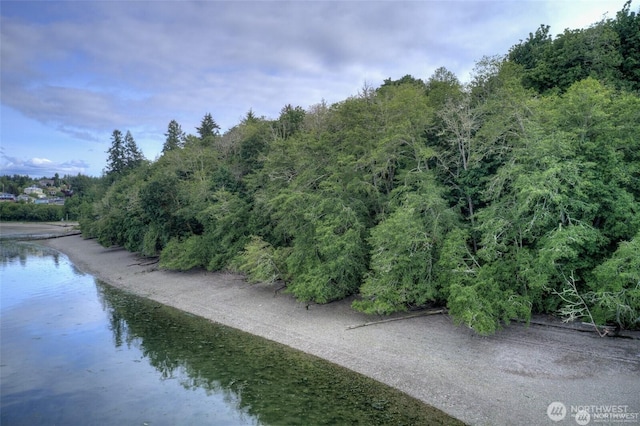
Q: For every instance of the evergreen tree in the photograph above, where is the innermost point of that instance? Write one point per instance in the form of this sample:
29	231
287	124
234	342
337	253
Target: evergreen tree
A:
208	128
133	155
117	153
124	154
175	137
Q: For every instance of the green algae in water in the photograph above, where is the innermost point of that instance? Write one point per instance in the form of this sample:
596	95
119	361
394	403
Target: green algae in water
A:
69	357
267	380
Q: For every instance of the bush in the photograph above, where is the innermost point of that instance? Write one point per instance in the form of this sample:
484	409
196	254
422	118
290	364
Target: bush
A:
31	212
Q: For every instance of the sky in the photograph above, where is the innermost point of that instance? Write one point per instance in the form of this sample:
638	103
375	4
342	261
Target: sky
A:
71	72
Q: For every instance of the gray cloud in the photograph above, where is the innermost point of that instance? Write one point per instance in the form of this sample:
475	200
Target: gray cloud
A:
86	68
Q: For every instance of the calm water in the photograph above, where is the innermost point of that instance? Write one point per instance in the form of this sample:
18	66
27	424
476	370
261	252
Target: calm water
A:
75	351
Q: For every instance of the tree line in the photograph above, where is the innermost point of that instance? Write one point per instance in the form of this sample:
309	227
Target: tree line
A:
79	192
513	194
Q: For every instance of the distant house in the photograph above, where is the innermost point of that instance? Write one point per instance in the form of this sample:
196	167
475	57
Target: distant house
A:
34	190
24	198
42	201
47	182
58	201
4	197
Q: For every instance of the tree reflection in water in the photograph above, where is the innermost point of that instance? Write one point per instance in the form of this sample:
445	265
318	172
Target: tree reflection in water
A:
264	379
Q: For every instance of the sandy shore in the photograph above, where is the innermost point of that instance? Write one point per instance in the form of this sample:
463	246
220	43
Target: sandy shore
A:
506	379
37	230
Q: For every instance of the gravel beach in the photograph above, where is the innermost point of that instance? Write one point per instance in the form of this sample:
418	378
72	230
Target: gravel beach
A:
37	230
509	378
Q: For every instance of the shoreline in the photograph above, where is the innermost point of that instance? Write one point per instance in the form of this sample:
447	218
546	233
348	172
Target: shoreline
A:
508	378
37	230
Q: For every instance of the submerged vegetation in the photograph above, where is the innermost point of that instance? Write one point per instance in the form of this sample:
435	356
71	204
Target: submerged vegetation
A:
514	194
262	378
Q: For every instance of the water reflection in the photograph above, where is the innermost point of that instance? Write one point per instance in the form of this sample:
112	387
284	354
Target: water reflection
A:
69	357
264	379
11	251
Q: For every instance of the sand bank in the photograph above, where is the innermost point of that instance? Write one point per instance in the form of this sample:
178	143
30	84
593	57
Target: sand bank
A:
37	230
506	379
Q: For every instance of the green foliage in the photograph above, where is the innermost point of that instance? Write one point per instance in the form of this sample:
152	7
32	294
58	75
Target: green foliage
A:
328	255
15	184
607	51
627	26
118	215
133	155
124	155
487	303
405	80
175	137
31	212
615	287
289	122
152	241
184	254
486	294
208	130
530	53
243	145
226	228
405	248
261	262
443	86
79	191
515	194
116	162
222	229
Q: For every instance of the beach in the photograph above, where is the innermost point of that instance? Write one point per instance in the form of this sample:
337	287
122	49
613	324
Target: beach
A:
37	230
509	378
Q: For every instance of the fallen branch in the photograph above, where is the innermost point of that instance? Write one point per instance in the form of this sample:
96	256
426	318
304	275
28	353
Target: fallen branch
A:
574	326
142	263
421	314
277	290
577	307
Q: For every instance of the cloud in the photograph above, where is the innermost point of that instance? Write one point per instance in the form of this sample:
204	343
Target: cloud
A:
39	162
40	166
86	68
123	61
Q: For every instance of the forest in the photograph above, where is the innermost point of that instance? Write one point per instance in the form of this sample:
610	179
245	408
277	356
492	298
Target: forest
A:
514	194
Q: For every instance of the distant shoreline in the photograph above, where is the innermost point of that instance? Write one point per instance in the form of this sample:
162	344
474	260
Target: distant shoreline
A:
508	378
37	230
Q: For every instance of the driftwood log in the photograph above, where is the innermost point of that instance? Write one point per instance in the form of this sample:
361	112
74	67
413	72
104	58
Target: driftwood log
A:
146	262
420	314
